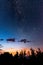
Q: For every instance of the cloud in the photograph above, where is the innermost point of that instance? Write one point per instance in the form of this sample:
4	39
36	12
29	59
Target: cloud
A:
24	40
10	39
1	39
1	46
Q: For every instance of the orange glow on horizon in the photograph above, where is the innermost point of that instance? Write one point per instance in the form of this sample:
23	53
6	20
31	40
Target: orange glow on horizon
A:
13	51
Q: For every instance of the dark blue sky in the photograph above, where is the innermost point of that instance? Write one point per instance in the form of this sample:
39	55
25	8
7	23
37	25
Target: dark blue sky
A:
22	19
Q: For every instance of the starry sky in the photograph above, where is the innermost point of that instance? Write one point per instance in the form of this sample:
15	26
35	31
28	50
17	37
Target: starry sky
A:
21	19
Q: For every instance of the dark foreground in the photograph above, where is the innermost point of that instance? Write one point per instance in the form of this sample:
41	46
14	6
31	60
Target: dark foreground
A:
22	59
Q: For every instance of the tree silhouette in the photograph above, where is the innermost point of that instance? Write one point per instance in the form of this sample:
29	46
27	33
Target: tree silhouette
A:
22	59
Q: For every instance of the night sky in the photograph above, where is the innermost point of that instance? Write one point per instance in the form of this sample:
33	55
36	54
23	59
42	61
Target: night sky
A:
21	19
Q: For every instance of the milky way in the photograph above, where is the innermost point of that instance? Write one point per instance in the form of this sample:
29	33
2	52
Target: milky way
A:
22	19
